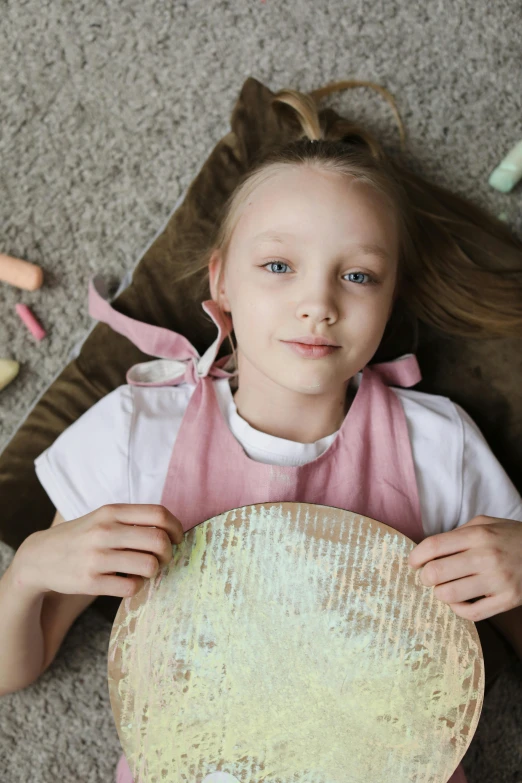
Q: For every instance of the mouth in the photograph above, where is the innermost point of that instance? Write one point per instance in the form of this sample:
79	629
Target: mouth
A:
311	351
313	341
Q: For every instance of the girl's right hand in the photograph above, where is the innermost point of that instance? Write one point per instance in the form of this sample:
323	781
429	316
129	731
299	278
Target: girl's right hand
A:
84	555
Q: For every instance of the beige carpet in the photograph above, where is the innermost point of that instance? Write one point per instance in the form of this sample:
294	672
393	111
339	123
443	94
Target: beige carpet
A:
108	111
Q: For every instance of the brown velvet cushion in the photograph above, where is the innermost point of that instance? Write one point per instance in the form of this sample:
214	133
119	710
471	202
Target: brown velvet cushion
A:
485	377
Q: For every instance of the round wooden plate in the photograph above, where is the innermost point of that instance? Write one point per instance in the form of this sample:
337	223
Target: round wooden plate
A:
292	642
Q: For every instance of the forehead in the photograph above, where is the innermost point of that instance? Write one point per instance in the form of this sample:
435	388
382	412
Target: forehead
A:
302	204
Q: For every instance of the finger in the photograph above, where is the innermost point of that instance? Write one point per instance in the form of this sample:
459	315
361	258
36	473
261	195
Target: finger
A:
449	543
462	589
445	569
119	586
129	562
147	514
479	610
151	539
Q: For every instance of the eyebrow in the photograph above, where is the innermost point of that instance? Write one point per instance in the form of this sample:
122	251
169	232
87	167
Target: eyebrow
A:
366	248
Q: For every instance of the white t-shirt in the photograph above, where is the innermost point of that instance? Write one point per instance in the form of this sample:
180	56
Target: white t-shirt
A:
119	451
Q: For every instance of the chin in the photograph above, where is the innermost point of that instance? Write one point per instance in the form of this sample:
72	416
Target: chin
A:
309	383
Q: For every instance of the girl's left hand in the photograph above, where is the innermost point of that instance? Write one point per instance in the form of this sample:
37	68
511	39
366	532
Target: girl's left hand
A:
482	558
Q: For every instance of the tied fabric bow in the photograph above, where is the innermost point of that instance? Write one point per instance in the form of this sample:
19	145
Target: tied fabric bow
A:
178	360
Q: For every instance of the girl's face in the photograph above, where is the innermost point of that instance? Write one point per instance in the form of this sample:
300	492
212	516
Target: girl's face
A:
313	254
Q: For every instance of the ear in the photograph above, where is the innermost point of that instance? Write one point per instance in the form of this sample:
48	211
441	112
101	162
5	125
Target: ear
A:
217	293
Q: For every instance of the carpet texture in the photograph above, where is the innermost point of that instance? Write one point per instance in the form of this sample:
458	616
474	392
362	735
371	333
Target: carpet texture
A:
108	112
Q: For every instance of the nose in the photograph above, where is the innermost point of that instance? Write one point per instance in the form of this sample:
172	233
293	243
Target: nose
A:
317	302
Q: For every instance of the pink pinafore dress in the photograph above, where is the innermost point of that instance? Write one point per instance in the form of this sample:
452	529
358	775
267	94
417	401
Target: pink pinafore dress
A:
368	468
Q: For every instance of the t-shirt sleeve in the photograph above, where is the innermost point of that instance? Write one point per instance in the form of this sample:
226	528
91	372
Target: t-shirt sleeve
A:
486	488
87	465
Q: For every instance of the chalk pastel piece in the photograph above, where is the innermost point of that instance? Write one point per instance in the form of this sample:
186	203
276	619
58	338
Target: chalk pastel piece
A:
34	326
509	171
8	372
21	274
293	642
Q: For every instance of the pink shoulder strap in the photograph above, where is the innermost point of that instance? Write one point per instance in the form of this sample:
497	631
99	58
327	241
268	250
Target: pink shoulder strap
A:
403	371
153	340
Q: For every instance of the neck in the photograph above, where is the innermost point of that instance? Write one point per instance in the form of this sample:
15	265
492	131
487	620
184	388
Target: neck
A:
285	413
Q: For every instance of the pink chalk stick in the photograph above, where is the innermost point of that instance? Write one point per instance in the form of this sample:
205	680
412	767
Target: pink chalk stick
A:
30	321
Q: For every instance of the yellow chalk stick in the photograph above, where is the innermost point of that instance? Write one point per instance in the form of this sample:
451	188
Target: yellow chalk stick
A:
8	372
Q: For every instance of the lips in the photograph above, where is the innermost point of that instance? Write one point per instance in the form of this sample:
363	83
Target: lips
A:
313	341
311	351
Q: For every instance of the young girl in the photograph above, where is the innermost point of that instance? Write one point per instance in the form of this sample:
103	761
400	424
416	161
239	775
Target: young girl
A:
317	246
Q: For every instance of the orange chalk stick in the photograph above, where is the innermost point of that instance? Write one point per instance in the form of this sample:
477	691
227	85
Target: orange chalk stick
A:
30	321
21	274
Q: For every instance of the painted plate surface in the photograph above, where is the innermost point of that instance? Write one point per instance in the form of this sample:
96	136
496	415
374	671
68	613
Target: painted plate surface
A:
293	642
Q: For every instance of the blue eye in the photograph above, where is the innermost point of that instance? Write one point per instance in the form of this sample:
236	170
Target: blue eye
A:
359	275
351	275
272	263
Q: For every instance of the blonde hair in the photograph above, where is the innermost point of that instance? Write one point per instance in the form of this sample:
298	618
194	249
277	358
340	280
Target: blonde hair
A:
447	278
